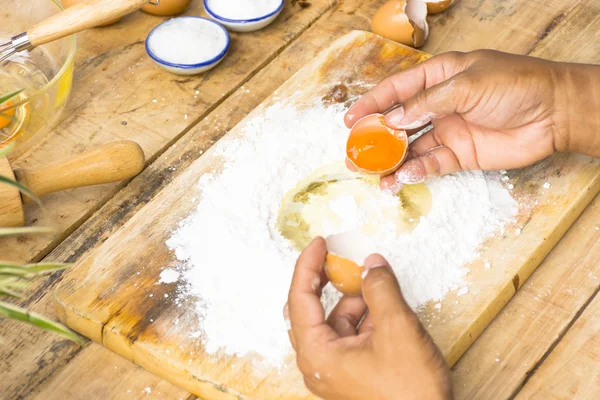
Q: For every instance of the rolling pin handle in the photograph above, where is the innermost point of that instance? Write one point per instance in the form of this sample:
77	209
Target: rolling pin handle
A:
111	162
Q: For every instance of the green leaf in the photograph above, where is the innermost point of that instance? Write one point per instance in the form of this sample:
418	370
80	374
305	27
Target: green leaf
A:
13	283
16	271
22	188
20	314
46	268
24	230
4	151
7	292
6	97
34	269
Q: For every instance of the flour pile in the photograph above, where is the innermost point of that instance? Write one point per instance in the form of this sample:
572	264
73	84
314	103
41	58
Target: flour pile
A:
240	266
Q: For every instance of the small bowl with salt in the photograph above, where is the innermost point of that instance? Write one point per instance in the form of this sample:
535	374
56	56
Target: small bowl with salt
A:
188	45
243	15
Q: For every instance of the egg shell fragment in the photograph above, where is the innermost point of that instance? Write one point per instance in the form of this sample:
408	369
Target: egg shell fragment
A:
346	253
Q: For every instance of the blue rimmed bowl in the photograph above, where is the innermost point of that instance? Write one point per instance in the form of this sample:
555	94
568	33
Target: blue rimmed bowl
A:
214	32
244	25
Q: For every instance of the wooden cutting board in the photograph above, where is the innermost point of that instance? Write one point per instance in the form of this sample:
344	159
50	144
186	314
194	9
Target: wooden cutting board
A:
113	296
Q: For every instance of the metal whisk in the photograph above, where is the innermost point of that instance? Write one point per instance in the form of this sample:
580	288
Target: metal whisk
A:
82	16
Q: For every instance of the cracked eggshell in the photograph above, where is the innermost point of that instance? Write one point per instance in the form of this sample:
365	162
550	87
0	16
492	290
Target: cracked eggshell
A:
404	21
346	253
438	6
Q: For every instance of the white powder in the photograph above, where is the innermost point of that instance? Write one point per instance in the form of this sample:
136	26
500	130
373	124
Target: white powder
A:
243	9
241	266
168	276
187	41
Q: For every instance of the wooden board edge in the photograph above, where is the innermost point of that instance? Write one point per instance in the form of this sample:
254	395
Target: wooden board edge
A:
480	323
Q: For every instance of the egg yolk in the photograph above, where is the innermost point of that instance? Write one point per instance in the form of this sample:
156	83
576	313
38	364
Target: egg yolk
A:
6	116
373	147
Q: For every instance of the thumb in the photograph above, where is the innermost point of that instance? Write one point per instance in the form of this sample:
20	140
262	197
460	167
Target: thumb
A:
381	291
438	101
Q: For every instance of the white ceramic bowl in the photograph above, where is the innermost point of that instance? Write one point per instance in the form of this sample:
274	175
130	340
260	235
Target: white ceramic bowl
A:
201	65
245	25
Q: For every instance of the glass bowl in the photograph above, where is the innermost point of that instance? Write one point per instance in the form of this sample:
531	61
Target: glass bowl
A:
44	75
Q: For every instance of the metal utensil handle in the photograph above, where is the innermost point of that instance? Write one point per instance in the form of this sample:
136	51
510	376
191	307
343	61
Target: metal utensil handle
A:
81	16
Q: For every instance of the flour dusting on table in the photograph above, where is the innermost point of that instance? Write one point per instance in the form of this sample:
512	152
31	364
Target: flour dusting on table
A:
240	266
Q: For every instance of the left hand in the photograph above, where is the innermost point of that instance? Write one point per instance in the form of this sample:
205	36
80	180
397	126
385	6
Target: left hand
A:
388	356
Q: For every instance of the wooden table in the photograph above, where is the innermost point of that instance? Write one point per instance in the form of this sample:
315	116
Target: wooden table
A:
543	344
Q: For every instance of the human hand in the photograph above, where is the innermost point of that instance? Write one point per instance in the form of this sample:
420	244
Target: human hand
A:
389	355
489	110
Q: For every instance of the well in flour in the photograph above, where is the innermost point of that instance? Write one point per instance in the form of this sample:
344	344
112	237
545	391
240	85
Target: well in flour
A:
239	266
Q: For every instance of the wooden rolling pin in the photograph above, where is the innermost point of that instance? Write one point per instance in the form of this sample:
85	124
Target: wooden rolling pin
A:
108	163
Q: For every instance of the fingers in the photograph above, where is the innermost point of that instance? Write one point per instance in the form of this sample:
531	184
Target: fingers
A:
436	162
306	314
381	292
404	85
346	315
440	100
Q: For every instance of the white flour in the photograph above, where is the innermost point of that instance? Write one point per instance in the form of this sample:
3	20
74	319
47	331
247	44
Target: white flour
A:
187	41
243	9
241	266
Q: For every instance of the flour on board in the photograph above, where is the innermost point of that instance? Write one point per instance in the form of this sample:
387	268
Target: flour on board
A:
239	265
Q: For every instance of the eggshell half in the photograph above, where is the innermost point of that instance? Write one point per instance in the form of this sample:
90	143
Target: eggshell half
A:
346	253
373	121
404	21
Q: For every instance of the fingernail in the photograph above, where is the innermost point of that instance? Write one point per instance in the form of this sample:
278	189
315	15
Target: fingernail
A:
398	122
395	116
368	267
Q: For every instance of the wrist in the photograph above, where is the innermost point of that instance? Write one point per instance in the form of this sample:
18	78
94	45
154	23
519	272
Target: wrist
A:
577	108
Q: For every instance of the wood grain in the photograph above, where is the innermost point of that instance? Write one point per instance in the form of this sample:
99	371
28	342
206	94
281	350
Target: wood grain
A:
106	375
572	370
513	345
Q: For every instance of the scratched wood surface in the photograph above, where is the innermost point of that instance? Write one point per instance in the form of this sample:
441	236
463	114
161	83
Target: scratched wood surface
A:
572	370
551	26
110	300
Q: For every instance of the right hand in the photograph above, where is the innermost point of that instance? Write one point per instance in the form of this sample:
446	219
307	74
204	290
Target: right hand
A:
489	110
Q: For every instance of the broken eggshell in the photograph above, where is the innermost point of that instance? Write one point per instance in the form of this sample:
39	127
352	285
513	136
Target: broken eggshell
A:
346	253
438	6
404	21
